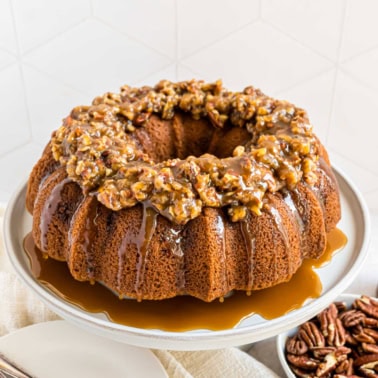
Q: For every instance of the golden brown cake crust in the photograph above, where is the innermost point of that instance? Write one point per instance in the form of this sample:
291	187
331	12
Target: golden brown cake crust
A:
143	253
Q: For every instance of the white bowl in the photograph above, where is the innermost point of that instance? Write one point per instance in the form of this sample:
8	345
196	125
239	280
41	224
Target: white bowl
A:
281	338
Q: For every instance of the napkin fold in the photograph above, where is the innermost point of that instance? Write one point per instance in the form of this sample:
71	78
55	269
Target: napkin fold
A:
19	307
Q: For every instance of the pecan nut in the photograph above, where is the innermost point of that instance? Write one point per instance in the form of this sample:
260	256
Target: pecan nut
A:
331	326
369	348
352	318
303	362
363	335
296	345
339	342
310	333
366	359
368	305
329	364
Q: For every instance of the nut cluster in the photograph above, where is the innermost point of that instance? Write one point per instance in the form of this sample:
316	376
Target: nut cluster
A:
97	146
339	342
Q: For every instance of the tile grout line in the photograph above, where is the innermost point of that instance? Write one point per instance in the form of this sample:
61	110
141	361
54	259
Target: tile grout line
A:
91	8
288	35
15	149
57	80
343	156
238	29
6	51
133	38
21	71
353	76
259	11
51	39
194	72
8	65
336	74
150	74
359	54
301	82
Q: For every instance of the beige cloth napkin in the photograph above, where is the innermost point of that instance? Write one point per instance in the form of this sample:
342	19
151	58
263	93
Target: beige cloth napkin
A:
19	307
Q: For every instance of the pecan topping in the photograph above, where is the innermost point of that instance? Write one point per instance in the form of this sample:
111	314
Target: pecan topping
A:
99	149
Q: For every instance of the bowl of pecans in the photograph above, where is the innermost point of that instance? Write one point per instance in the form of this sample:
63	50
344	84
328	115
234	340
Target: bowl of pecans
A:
341	341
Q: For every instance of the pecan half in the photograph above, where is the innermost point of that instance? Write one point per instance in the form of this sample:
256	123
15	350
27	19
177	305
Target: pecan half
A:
362	336
304	361
367	305
331	326
369	348
329	364
372	333
371	322
295	345
345	367
311	334
366	359
301	373
352	318
321	352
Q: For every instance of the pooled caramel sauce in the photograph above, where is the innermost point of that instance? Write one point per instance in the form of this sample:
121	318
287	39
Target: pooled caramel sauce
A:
183	313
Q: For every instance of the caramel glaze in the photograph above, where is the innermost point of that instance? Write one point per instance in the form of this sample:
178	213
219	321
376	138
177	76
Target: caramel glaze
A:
142	241
183	313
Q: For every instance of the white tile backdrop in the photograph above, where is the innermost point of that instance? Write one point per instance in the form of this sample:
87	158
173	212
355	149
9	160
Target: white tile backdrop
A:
320	54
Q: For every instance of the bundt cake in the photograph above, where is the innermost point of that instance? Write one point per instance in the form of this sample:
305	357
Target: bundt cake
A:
183	189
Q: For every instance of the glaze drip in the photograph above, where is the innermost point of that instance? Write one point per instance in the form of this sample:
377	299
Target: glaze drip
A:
277	220
143	240
87	236
220	233
49	209
98	147
174	242
288	296
293	204
250	246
